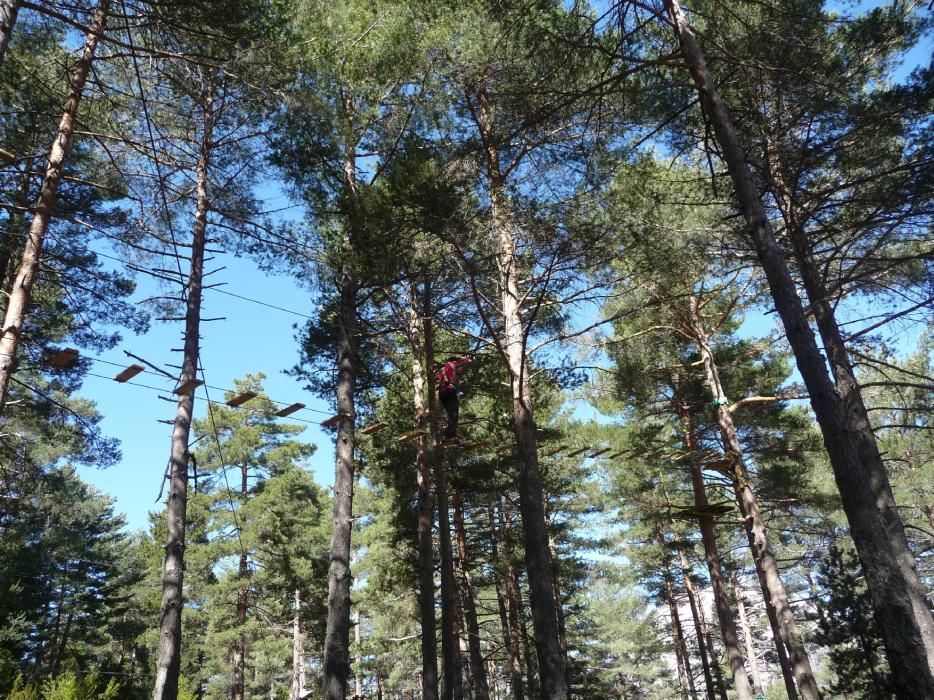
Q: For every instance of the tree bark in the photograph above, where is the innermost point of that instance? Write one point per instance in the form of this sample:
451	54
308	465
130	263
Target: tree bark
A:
694	604
421	309
756	531
712	555
337	633
508	615
714	661
238	687
170	623
8	11
481	687
747	635
898	595
551	662
452	688
682	656
21	294
298	650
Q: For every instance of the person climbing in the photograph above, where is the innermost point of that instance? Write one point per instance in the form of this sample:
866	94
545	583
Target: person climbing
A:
448	377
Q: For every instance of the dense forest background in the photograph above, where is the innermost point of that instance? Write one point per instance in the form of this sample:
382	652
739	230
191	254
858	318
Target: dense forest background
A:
688	250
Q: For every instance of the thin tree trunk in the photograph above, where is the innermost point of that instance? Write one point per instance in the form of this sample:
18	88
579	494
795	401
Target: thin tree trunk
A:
551	662
508	616
337	633
170	623
21	294
682	656
556	584
717	582
452	688
898	595
238	689
298	650
358	677
481	687
714	661
784	663
757	533
13	239
694	604
421	309
747	635
8	11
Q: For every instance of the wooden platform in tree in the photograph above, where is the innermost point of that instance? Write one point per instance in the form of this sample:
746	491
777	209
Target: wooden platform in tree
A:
598	452
289	410
557	450
411	435
241	399
128	373
711	510
63	358
328	422
580	451
374	427
187	387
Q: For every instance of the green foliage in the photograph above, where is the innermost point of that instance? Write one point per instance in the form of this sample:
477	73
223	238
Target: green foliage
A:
846	626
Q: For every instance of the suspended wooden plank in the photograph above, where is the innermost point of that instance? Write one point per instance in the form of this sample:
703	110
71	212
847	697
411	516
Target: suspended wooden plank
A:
578	452
6	155
188	386
504	448
374	428
724	465
616	455
289	410
411	436
329	422
599	452
241	399
480	444
557	450
63	358
130	372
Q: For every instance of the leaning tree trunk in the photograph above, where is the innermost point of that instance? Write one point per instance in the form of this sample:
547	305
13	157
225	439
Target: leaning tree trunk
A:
337	633
168	663
453	688
8	11
421	309
21	294
717	581
898	596
481	687
762	553
551	661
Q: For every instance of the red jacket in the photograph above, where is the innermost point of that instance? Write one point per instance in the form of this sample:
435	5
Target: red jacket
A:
450	372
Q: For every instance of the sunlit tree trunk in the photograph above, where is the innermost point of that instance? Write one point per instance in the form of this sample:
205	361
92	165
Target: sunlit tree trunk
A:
170	620
21	293
762	553
747	635
898	596
298	649
712	555
694	604
551	662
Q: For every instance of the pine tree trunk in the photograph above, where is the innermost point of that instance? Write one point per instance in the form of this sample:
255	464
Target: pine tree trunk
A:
747	635
694	604
508	615
556	585
784	663
358	677
21	294
712	650
238	691
481	687
551	662
421	309
298	650
13	240
762	553
682	655
168	664
452	688
898	595
8	11
337	633
717	582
